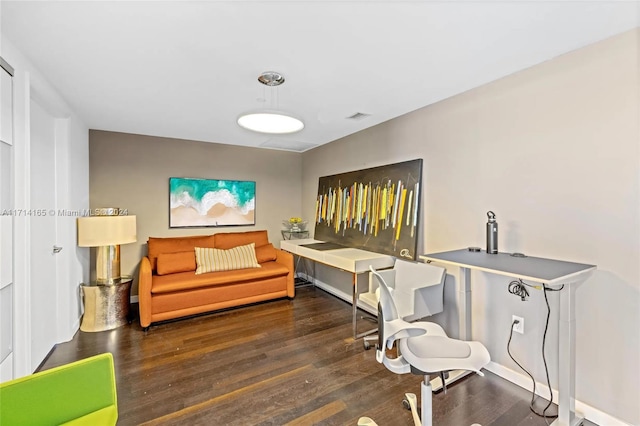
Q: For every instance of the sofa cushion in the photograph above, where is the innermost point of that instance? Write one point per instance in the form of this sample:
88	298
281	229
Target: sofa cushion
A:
266	253
189	280
212	259
170	263
234	239
155	245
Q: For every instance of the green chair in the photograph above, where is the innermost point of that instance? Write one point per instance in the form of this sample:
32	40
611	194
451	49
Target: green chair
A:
79	393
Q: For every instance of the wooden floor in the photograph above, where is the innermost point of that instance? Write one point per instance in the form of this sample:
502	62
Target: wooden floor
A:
284	362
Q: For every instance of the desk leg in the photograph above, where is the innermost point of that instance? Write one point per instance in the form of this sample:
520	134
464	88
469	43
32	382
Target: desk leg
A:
354	320
464	319
464	304
355	305
567	358
299	281
296	269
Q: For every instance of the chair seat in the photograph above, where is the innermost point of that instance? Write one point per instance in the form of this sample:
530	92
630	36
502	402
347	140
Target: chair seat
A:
432	354
431	330
437	347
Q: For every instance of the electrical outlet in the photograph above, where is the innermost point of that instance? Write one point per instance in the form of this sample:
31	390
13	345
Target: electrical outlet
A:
519	327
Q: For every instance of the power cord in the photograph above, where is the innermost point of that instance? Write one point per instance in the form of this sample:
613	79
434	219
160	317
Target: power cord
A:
520	290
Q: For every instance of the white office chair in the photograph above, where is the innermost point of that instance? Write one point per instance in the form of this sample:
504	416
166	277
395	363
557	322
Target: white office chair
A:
417	288
424	349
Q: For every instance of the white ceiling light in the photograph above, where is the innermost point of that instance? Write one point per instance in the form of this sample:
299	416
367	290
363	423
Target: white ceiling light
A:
270	121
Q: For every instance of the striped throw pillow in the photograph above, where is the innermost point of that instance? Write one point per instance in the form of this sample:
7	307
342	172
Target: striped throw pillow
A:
212	259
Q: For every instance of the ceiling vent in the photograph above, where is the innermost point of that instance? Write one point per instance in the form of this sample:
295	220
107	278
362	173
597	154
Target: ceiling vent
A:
359	116
287	145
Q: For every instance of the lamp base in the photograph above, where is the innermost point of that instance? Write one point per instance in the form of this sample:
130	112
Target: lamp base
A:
108	264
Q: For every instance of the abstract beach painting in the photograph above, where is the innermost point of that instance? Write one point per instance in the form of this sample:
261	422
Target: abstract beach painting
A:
211	202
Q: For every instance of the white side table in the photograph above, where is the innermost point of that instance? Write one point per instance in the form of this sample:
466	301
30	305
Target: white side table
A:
294	235
298	235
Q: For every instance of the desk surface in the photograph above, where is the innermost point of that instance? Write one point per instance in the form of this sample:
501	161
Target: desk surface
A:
349	259
535	269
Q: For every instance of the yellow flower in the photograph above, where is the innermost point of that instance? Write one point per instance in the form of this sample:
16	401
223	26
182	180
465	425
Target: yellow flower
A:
295	220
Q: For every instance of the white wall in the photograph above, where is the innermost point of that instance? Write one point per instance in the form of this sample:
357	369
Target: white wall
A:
72	184
554	151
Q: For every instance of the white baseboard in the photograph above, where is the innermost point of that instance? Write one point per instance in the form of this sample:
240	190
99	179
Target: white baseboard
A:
134	299
583	410
339	294
74	329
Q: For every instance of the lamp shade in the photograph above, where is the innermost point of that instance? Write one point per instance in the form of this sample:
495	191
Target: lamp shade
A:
96	231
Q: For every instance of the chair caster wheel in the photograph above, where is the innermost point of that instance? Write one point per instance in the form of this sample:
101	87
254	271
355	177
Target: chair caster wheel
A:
405	404
366	345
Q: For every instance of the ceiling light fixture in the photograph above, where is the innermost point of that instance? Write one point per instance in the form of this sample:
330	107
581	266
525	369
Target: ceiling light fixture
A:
270	121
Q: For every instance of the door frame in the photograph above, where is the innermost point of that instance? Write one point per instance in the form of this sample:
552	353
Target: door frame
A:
7	248
28	86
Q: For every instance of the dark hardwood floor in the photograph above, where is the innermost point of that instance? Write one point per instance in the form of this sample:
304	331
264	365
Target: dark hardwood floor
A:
284	362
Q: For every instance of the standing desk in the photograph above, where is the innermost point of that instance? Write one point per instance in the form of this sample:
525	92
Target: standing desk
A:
352	260
532	269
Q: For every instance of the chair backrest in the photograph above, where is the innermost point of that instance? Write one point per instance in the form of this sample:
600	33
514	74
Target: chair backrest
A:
386	308
83	389
418	274
387	305
388	319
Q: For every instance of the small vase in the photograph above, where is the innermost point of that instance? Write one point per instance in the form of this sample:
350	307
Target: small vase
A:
295	228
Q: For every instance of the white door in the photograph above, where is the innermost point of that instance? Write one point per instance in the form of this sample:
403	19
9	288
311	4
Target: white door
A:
43	288
6	222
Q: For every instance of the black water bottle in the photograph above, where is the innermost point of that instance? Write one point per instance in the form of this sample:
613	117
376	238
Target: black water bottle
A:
492	233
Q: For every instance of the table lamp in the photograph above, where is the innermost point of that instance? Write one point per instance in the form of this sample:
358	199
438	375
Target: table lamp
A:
107	231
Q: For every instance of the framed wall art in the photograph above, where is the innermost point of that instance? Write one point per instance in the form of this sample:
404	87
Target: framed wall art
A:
211	202
376	209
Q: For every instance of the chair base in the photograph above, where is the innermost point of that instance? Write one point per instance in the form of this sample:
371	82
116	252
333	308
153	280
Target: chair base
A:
366	421
436	383
427	404
410	402
366	342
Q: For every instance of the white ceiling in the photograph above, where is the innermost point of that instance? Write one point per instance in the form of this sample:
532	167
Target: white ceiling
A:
188	69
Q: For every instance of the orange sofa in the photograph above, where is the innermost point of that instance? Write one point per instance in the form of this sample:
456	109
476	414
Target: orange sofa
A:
169	287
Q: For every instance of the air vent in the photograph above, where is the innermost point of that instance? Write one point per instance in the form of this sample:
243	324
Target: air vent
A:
288	145
359	116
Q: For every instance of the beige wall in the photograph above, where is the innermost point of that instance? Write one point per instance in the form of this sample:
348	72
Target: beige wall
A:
554	151
133	171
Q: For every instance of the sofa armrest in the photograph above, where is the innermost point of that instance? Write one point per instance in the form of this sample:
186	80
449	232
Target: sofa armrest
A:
144	292
286	259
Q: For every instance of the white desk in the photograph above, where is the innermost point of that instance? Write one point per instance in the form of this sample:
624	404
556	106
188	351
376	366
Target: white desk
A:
351	260
529	269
